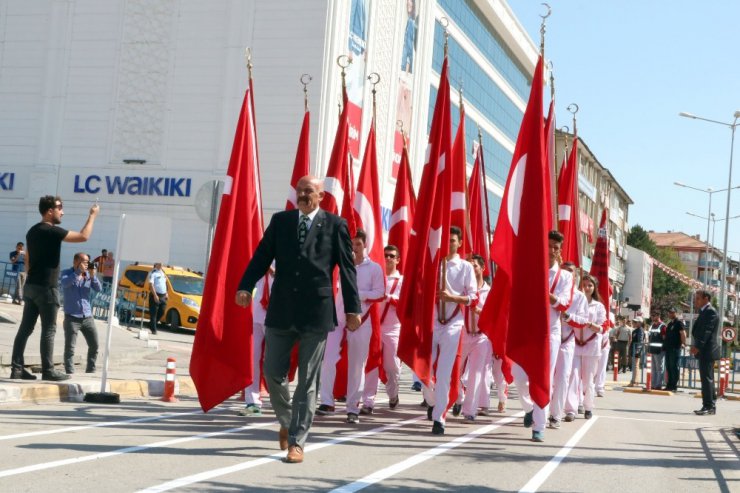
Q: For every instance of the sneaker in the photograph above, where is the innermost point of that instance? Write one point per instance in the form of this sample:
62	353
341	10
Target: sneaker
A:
430	409
600	393
484	411
456	408
393	403
366	410
416	386
352	418
54	376
528	420
469	419
325	410
580	409
501	407
251	410
22	374
538	436
569	417
588	414
553	423
438	428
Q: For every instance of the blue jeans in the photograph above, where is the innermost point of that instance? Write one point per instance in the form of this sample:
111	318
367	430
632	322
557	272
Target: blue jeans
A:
40	301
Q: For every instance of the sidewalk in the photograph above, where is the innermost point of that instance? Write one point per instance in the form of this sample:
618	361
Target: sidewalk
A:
136	366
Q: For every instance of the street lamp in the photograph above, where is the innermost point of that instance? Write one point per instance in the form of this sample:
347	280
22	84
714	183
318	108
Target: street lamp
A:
723	279
714	226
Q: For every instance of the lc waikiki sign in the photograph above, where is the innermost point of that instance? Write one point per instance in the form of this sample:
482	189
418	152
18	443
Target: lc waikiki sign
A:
7	181
134	186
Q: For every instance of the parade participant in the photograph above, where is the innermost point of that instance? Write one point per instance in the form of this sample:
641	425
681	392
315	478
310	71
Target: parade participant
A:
41	295
459	291
252	398
306	245
600	377
575	316
77	282
390	328
502	388
561	292
587	352
371	286
476	350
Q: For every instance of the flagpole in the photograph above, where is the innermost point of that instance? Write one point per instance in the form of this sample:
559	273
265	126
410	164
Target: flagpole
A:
564	163
248	55
573	108
468	234
441	306
485	198
305	80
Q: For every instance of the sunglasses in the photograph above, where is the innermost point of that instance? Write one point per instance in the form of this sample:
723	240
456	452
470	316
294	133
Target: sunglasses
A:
390	255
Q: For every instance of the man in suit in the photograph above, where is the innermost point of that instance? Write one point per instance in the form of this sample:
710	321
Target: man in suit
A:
306	244
705	346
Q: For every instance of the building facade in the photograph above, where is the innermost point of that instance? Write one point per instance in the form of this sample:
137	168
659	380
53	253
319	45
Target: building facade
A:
133	103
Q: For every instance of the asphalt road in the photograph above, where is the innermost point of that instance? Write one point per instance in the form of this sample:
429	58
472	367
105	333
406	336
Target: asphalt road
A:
633	443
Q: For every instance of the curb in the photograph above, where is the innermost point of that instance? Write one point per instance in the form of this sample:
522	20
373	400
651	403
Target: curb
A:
640	390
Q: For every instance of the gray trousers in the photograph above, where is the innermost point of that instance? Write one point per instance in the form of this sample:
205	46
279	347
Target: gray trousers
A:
73	325
658	369
298	415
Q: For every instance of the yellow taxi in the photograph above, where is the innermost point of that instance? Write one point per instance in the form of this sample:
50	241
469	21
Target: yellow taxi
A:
184	293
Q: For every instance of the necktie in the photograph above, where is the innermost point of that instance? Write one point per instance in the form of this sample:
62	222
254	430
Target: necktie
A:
302	229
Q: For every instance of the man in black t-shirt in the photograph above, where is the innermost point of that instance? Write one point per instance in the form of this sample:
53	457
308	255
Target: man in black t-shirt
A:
675	339
43	247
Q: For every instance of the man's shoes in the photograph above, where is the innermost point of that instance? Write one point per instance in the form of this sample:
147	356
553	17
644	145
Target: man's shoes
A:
538	436
393	403
501	407
283	438
90	370
325	410
416	386
22	374
69	371
424	403
342	399
588	415
438	428
16	302
430	410
570	417
366	410
469	419
580	410
295	455
528	419
154	332
353	418
705	410
484	411
251	410
456	408
553	423
54	376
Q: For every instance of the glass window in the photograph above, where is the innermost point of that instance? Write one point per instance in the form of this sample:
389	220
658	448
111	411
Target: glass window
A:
137	277
186	284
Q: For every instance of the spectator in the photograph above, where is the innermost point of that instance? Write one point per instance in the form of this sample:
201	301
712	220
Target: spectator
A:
98	262
638	339
109	264
656	336
624	338
77	282
157	296
675	340
18	259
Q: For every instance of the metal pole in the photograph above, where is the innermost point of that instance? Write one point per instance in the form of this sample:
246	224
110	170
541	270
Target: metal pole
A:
723	279
706	257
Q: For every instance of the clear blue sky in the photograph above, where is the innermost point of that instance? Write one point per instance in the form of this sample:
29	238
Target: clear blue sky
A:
632	66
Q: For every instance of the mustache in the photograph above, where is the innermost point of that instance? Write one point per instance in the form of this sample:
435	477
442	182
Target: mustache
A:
302	199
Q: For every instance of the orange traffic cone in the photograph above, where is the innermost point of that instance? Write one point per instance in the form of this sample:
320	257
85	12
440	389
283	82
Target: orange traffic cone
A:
169	382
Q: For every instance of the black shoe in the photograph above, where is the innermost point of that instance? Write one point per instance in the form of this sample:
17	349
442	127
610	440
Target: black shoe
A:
430	409
366	410
528	420
424	403
325	410
416	386
705	410
588	414
22	374
69	371
438	428
353	418
393	403
54	376
341	399
456	408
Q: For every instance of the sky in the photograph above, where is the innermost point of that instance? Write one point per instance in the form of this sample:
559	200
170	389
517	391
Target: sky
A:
632	66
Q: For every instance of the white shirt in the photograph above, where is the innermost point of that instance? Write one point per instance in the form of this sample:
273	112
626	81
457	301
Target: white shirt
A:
258	311
370	283
460	282
561	286
596	315
576	315
391	315
473	314
311	216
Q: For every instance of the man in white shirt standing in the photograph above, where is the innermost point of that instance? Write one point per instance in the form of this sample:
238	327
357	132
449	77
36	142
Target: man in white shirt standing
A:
157	296
460	291
561	293
390	328
371	286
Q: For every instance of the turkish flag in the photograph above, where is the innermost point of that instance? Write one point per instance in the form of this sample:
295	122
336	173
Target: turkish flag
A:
568	217
600	266
339	165
302	165
516	316
221	362
459	198
429	243
479	221
402	213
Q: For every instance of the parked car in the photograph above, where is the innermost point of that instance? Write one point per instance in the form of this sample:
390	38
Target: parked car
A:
184	293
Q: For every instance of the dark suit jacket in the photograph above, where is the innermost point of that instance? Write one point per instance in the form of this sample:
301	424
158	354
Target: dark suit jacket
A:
704	334
302	294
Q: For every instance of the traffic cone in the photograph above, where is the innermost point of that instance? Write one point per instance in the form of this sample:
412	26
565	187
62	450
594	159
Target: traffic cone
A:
169	381
648	364
615	365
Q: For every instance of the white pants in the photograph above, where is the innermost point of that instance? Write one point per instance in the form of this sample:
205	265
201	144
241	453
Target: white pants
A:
563	369
584	371
358	347
444	344
502	388
252	393
521	380
601	369
329	366
391	365
475	352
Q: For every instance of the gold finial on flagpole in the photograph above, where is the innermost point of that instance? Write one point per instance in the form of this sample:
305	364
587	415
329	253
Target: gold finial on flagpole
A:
444	22
344	61
573	108
542	28
374	79
305	80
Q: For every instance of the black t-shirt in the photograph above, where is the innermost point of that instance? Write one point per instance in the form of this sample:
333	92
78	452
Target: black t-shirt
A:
44	243
673	334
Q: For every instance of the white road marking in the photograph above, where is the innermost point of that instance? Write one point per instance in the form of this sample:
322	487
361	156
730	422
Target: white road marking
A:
550	467
214	473
417	459
127	450
697	423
